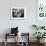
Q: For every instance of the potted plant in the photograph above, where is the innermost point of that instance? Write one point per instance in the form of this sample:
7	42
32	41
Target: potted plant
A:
42	27
35	26
38	27
39	35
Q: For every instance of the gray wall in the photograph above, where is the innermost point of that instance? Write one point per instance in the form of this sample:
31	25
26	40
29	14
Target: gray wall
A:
24	25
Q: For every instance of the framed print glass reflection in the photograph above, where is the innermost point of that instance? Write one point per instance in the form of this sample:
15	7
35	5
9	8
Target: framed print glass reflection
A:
18	13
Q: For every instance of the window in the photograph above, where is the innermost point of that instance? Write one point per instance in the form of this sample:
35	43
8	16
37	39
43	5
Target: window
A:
41	8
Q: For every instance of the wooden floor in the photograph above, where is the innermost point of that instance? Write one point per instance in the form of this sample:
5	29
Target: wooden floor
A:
13	44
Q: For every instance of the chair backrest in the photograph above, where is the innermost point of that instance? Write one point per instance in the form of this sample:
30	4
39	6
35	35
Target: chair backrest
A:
14	30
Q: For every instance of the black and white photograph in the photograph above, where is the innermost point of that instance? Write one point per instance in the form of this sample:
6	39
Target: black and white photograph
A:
18	13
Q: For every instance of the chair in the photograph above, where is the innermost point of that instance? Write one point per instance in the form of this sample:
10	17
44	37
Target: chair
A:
7	35
14	32
25	43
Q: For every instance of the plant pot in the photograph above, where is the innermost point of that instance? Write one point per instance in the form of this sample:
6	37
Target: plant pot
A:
40	40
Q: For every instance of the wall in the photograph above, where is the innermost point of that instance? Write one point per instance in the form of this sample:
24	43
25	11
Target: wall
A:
24	25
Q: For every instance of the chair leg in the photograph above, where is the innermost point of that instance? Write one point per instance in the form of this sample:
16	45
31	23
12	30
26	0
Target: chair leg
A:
5	40
5	43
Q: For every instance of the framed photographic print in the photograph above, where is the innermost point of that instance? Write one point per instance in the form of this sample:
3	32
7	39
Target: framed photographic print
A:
18	13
